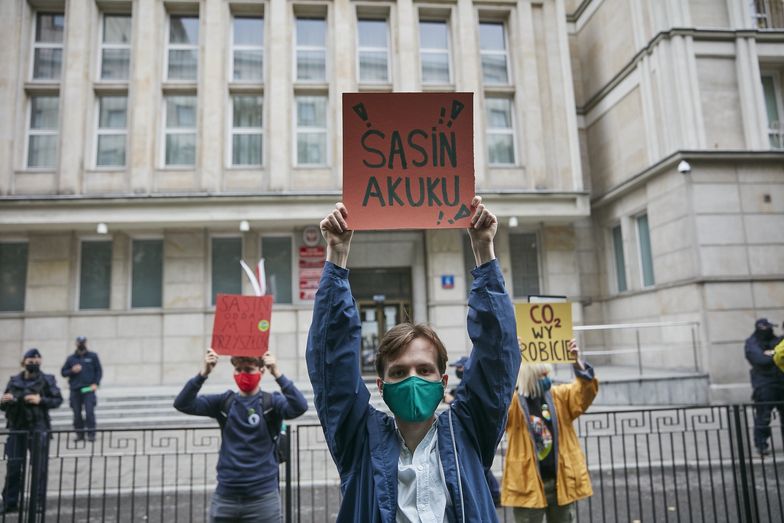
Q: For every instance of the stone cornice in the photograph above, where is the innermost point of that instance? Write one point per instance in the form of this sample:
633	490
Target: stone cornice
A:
669	162
699	34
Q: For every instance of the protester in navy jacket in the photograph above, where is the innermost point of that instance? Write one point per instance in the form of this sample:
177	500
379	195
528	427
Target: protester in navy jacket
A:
84	373
247	465
767	381
415	466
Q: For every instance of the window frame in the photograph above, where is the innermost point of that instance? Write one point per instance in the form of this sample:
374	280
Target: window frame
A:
234	47
108	238
449	44
26	241
29	131
386	50
111	131
505	52
501	131
778	95
181	47
297	129
232	131
178	130
618	273
131	239
297	48
103	45
45	45
221	235
294	263
637	218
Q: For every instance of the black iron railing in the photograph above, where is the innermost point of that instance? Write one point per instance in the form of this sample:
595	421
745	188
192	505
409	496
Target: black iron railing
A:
676	464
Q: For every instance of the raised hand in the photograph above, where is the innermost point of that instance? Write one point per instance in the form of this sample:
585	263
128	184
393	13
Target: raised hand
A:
336	233
483	227
210	360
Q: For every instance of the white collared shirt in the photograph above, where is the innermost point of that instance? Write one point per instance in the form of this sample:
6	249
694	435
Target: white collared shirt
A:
422	496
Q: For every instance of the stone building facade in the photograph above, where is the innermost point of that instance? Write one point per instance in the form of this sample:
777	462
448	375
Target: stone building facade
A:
147	145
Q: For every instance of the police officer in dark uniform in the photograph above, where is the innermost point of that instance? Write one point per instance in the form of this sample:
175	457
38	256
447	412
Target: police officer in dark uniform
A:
26	402
84	372
767	381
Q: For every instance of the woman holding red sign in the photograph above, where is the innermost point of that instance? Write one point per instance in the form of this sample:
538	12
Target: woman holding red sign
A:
545	471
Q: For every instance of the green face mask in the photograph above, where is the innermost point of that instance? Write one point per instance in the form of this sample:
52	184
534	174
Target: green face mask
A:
414	399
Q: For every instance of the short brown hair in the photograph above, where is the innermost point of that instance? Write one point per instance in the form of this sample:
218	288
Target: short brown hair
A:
400	336
246	360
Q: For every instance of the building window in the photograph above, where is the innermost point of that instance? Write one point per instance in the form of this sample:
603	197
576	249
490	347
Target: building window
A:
646	256
42	132
277	253
620	261
311	130
180	128
147	273
500	131
95	275
226	269
768	14
434	52
116	47
246	130
48	46
524	254
13	276
774	107
492	44
111	132
183	51
373	51
248	50
311	49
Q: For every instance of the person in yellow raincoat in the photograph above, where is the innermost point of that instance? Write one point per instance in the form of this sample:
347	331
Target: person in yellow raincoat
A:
545	471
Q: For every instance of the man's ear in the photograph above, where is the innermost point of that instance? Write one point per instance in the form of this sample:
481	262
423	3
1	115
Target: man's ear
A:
380	385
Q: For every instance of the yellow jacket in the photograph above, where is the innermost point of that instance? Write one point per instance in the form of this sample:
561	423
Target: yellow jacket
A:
522	484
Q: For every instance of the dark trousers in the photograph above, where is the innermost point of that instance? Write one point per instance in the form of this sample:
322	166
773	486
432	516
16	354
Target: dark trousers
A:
16	448
762	413
88	400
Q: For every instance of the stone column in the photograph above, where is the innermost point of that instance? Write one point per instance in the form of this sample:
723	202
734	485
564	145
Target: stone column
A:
74	94
213	101
280	98
144	100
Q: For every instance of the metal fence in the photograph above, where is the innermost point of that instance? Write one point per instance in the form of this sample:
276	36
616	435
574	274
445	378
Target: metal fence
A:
674	464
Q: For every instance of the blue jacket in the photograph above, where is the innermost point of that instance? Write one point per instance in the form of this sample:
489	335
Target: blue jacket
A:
246	461
363	441
20	415
91	370
764	372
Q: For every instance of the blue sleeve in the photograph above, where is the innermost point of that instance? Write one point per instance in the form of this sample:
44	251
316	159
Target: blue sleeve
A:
587	374
66	370
755	353
291	403
53	398
340	395
189	402
98	369
482	399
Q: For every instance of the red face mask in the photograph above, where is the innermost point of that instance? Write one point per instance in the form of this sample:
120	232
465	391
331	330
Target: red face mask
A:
246	381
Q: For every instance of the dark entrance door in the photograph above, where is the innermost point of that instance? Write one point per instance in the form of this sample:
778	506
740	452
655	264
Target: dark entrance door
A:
384	300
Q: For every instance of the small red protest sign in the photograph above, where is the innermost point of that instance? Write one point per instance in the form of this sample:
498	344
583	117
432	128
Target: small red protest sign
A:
242	325
408	160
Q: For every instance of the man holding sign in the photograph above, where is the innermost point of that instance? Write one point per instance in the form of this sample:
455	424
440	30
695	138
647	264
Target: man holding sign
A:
250	422
414	466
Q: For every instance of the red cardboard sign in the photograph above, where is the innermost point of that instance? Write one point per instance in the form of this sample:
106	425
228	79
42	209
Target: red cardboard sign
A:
311	263
242	325
408	160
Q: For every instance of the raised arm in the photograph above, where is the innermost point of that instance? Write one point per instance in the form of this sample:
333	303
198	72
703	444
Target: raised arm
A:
580	393
332	355
484	394
188	400
756	353
291	403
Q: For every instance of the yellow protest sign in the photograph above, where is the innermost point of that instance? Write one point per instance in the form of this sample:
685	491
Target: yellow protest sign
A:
544	330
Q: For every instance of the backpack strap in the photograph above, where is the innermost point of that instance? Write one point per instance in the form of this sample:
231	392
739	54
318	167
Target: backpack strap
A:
225	406
270	416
